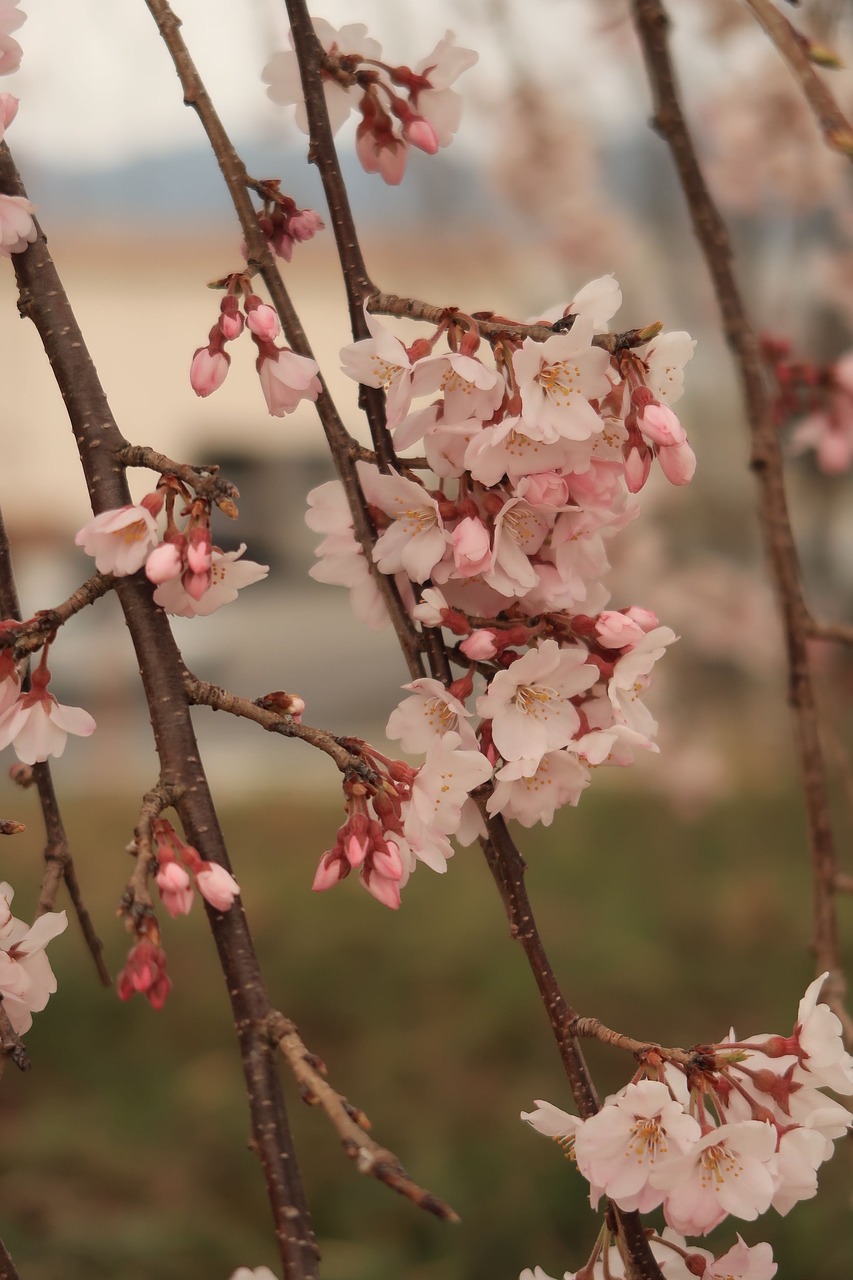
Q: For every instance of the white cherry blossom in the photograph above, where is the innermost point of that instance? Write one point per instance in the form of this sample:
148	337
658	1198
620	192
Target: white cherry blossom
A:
445	780
119	540
284	83
228	574
532	791
529	703
729	1171
26	978
416	540
557	379
430	713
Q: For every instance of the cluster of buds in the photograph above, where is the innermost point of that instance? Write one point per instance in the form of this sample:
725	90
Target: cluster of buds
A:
402	815
193	577
819	398
535	458
731	1129
177	862
286	378
282	222
145	971
398	107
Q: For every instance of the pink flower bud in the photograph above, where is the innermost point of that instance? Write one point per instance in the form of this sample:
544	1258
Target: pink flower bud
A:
305	224
479	646
230	319
678	463
645	619
638	464
615	630
472	552
332	869
145	972
263	321
216	885
196	584
164	563
383	890
544	489
208	370
420	133
175	889
660	425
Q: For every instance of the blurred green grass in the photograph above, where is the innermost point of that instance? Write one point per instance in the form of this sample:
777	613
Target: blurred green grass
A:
125	1146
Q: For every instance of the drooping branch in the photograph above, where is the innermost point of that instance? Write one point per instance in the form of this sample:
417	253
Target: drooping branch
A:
370	1158
59	865
43	300
344	449
32	633
834	125
651	22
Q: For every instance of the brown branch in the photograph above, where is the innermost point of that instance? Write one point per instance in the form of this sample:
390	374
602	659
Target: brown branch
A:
136	900
594	1029
834	125
836	632
59	864
204	481
11	1044
343	447
493	327
202	693
44	301
370	1158
32	633
8	1270
766	462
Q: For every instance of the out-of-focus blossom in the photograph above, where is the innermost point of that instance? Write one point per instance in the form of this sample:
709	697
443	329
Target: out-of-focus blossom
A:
120	540
26	978
17	229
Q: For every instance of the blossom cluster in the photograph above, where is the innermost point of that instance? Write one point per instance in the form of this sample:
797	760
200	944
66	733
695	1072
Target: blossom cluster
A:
739	1127
285	377
535	458
193	577
17	229
26	979
819	399
177	865
400	107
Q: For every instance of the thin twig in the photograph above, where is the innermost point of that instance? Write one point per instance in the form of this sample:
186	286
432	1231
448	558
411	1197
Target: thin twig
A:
31	633
136	900
835	632
834	125
491	326
370	1158
8	1270
342	445
59	864
204	481
202	693
766	461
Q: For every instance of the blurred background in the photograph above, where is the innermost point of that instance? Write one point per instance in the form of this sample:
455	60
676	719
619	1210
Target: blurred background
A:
125	1152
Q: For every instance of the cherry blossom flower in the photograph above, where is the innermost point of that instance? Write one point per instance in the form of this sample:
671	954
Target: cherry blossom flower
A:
10	51
26	978
665	358
818	1032
37	726
445	780
228	574
552	1121
10	681
120	540
416	539
530	703
382	360
433	97
557	379
286	378
285	83
532	791
17	229
341	557
430	713
728	1171
742	1262
632	1137
469	388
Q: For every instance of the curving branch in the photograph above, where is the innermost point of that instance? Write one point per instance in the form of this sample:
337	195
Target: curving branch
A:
59	864
794	48
651	21
206	482
33	633
42	299
370	1158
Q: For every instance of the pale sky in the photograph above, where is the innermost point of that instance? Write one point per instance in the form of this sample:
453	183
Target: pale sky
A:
97	86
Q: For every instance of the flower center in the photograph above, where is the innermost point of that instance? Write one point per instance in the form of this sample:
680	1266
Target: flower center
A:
647	1139
559	381
535	700
717	1162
